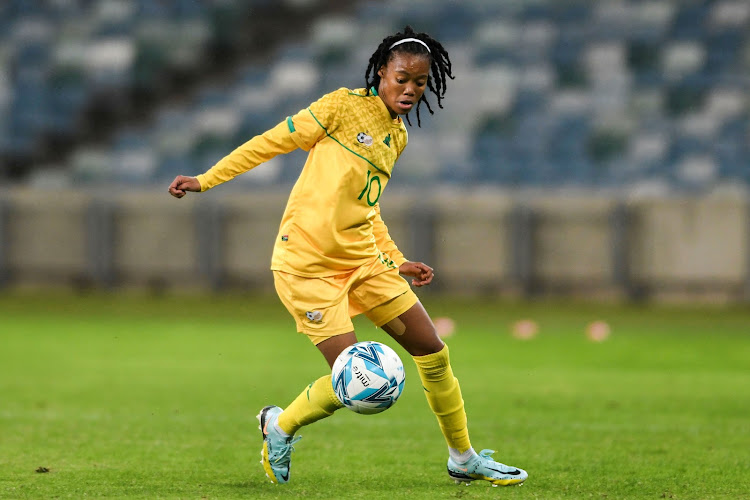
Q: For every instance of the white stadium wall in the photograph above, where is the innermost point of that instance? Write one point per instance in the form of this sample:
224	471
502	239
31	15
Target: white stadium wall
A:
479	241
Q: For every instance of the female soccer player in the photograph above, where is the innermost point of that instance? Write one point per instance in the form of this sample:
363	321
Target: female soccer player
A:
333	257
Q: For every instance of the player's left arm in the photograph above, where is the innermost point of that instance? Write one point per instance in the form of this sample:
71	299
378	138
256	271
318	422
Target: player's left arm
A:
420	272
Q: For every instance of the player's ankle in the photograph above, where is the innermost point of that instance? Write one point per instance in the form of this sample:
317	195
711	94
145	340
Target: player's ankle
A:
461	458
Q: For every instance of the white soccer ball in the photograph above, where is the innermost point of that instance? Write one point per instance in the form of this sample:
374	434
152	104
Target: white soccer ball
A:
368	377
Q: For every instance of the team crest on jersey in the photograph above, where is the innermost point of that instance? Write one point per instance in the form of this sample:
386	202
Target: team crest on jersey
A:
365	139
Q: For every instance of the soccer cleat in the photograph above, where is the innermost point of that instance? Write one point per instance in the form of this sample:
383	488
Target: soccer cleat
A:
483	467
276	454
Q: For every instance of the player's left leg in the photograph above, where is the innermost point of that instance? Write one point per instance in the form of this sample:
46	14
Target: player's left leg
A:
414	330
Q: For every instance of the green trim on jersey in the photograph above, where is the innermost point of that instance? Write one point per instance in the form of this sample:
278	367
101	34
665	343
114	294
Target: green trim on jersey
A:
343	146
290	124
372	92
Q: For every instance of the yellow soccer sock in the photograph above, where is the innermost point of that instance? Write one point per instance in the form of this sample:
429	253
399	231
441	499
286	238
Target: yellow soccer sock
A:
444	397
316	402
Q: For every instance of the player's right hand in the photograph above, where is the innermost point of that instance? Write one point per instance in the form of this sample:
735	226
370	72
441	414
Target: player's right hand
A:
182	184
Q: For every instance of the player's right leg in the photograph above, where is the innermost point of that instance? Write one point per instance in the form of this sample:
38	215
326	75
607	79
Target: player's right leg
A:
276	454
325	320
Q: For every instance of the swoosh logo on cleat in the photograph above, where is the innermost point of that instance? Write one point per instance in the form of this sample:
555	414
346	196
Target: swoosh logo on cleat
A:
457	475
510	473
285	478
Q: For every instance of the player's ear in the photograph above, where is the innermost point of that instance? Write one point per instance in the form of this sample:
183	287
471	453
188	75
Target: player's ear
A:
381	71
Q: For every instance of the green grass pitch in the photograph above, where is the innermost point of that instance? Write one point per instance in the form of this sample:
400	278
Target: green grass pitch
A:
124	396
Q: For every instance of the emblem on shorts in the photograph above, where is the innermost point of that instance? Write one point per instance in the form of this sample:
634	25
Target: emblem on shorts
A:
314	316
365	139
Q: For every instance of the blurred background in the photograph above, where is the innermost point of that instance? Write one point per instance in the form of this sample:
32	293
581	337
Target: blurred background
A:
589	149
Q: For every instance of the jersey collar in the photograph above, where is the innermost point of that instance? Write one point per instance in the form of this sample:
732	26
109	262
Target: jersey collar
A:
395	121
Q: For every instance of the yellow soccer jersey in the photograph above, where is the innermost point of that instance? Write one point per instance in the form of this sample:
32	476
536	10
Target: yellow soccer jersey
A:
332	221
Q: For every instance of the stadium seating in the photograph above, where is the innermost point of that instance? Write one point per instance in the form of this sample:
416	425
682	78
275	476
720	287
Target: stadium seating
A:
59	58
595	94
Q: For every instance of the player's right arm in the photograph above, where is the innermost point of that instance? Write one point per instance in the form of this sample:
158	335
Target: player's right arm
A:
302	130
257	150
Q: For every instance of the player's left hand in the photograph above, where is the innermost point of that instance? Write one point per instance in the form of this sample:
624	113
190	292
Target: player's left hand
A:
422	273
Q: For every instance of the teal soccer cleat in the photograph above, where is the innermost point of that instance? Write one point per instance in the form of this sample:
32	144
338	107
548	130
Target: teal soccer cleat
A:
483	467
276	454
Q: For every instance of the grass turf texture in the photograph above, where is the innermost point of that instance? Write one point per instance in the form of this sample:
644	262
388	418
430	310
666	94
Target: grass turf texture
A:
156	397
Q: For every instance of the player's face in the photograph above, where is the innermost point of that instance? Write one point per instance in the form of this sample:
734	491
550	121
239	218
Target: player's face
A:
403	81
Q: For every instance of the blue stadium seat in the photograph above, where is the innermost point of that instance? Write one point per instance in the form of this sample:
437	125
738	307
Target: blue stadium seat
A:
531	141
461	25
690	21
724	51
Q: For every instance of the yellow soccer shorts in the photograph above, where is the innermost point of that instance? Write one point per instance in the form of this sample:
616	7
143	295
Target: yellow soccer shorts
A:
323	307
